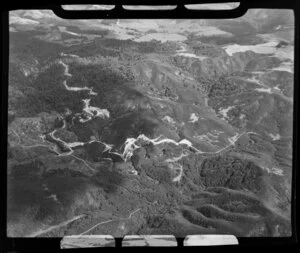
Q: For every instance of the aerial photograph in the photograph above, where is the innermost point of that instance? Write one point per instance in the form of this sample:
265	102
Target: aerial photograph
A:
166	127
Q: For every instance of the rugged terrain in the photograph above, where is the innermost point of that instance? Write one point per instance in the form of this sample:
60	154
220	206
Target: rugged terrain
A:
150	126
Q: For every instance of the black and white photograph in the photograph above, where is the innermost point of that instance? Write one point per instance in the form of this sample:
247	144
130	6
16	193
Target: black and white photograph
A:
165	127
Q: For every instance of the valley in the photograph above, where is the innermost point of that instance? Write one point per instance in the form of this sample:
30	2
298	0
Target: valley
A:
176	127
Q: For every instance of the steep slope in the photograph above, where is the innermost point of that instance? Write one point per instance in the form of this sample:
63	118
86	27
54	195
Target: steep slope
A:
176	135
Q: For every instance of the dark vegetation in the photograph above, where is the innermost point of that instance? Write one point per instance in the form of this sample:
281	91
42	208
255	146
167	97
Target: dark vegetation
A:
59	144
91	49
18	85
283	79
120	48
237	28
27	170
209	50
198	219
108	180
139	47
231	172
30	187
66	36
226	201
262	63
259	145
234	116
64	134
218	206
130	125
94	151
223	87
16	77
47	93
282	44
157	222
106	80
159	173
213	212
222	40
76	29
26	191
205	84
62	171
25	46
